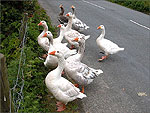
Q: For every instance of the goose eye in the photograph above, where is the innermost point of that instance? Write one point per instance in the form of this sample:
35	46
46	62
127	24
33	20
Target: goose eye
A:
57	51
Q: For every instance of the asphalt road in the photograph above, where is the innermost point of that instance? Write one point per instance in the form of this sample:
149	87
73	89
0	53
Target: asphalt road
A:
126	73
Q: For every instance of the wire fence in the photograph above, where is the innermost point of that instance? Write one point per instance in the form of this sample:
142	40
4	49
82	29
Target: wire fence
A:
16	93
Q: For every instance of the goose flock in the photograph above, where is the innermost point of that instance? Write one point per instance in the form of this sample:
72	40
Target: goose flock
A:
62	59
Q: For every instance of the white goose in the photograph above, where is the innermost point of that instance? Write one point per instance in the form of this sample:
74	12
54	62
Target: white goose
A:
51	62
78	71
106	45
70	34
61	88
43	41
78	24
61	34
59	46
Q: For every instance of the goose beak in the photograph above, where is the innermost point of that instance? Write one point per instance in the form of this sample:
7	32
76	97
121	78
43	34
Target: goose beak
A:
67	14
40	24
72	7
61	5
45	35
76	39
52	53
59	26
99	27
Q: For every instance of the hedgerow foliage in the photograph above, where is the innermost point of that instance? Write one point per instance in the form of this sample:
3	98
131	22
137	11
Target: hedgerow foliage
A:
34	70
36	96
139	5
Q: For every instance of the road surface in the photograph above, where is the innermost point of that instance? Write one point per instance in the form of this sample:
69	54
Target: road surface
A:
126	74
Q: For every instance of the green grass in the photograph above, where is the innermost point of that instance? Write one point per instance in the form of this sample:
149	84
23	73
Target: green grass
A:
139	5
37	98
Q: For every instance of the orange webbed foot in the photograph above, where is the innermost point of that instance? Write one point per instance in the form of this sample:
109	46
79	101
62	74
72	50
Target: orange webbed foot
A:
76	85
61	107
82	89
59	103
103	57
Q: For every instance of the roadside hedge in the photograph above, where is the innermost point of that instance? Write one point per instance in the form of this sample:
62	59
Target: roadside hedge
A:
139	5
36	96
34	91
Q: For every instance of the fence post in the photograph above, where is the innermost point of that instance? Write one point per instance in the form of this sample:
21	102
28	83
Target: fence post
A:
4	87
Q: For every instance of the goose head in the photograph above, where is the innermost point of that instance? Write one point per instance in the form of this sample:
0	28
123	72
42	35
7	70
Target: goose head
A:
56	53
103	32
61	26
73	7
48	34
42	23
77	39
61	6
69	15
101	27
80	38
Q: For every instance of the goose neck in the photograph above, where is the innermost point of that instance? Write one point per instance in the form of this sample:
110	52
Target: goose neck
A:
60	67
61	35
73	11
56	74
51	41
45	28
61	63
81	49
102	34
62	11
69	25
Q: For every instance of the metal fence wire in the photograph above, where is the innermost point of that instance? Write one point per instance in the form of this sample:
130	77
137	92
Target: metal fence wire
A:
16	93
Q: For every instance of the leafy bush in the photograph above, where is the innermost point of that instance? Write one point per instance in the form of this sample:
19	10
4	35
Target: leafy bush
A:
34	70
36	95
139	5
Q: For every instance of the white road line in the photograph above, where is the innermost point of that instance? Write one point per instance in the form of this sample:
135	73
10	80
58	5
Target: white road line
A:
93	4
139	24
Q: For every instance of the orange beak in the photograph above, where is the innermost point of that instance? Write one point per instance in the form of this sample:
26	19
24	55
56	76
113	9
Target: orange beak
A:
99	27
61	5
72	6
59	26
67	14
52	53
45	35
76	39
40	24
